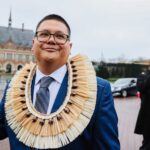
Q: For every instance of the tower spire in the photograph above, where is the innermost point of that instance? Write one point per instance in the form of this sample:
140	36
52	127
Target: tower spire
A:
9	20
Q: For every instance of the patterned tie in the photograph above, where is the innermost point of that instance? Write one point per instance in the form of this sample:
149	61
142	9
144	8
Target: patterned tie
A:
43	95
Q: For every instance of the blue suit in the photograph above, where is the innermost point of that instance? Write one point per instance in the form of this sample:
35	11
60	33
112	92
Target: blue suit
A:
100	134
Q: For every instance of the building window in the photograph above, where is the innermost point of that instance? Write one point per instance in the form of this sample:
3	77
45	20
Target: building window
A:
27	57
16	57
9	56
33	58
2	56
20	57
8	68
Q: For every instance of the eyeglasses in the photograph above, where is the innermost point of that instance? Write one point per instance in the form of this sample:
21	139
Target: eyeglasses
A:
59	38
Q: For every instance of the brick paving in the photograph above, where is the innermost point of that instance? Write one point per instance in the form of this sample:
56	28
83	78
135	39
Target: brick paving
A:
4	145
127	110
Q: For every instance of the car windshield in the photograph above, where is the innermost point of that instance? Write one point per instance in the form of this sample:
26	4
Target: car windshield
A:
122	81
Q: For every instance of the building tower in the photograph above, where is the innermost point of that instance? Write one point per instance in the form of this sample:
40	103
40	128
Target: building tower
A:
9	20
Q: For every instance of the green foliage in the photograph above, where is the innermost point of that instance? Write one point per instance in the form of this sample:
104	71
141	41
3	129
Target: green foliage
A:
112	71
102	71
112	79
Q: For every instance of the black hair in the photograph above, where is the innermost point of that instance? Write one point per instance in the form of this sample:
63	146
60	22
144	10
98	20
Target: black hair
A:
55	17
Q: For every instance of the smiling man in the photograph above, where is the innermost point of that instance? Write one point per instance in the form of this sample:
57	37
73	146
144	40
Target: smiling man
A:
58	103
51	45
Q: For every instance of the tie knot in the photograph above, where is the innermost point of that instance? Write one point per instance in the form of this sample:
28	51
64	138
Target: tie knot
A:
46	81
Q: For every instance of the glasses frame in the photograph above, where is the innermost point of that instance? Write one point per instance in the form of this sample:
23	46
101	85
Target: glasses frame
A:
52	34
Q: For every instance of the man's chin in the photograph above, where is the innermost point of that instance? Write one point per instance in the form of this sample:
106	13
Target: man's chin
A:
50	59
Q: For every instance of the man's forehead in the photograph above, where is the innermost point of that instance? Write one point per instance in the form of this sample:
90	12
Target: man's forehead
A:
51	22
55	24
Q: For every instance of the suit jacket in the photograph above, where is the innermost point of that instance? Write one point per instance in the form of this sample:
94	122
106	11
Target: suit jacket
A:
100	134
143	120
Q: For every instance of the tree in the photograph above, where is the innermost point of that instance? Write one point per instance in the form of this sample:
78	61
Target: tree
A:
102	71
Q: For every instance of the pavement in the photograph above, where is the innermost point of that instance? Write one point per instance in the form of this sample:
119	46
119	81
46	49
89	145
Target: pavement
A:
127	110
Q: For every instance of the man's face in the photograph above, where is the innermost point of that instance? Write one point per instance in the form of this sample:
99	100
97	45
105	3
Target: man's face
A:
50	51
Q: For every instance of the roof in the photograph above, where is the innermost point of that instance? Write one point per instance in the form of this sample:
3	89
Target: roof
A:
20	37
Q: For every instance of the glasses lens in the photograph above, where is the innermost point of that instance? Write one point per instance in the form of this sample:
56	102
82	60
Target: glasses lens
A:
60	38
42	36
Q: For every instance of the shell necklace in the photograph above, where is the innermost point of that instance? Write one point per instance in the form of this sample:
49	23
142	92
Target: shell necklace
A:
57	129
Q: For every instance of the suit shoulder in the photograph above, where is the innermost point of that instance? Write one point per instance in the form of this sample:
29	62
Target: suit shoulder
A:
102	82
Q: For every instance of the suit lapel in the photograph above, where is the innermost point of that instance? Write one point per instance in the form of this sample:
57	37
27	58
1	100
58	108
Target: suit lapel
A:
32	87
61	94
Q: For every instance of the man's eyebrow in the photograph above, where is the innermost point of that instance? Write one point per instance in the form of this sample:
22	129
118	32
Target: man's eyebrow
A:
51	31
43	30
60	32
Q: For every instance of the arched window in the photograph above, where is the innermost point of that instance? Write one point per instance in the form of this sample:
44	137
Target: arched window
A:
8	68
19	67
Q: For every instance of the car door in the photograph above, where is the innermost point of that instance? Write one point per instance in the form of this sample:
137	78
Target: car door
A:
132	87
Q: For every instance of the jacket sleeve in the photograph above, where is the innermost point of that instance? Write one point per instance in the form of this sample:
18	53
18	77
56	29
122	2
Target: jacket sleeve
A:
3	133
105	129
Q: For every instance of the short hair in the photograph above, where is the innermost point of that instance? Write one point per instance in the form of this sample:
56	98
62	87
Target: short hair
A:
55	17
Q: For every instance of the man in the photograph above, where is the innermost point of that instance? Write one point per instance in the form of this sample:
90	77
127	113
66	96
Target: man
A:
143	120
58	103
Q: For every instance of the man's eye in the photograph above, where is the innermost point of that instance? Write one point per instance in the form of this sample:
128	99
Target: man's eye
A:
60	36
43	34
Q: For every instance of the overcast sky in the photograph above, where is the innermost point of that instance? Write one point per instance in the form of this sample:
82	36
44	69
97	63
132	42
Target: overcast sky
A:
100	28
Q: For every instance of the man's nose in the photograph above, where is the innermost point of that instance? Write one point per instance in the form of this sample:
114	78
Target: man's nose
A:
51	38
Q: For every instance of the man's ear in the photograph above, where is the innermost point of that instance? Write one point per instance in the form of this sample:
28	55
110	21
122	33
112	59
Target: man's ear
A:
70	44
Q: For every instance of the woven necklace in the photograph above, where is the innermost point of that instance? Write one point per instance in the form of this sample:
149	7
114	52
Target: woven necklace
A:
57	129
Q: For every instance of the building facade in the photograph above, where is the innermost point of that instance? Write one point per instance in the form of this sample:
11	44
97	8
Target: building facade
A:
15	47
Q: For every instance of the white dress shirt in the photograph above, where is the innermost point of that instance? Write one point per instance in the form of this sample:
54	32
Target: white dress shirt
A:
54	87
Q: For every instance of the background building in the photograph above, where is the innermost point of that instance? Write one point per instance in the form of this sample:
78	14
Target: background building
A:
15	47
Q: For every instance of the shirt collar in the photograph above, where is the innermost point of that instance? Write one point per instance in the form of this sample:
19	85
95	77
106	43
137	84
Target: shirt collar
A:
58	75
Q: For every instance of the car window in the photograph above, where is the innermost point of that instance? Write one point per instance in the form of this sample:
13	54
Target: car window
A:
121	81
124	81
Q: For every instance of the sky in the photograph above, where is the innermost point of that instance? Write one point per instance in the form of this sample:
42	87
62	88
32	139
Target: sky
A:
101	29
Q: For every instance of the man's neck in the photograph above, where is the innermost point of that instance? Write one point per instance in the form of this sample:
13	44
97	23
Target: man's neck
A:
49	68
